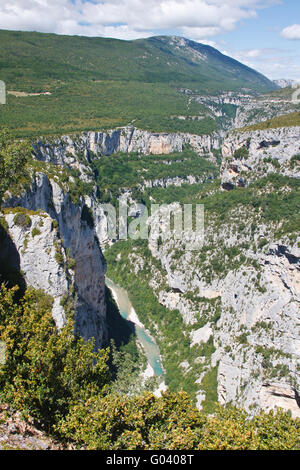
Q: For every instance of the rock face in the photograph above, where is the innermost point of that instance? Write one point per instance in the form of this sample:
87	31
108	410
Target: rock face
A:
127	139
257	335
265	151
33	249
270	347
284	82
281	396
254	110
81	243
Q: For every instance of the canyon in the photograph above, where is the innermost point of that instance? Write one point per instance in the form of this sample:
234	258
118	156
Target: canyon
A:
256	292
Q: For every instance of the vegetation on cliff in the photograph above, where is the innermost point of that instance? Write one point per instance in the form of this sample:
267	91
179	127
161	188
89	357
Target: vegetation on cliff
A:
13	159
287	120
60	382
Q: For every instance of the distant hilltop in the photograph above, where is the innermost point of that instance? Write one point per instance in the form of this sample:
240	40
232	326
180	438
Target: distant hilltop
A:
284	83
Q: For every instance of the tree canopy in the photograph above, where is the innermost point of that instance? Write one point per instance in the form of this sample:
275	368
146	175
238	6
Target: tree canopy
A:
14	156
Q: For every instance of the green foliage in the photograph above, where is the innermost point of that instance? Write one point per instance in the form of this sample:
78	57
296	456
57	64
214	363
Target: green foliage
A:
101	83
45	371
273	162
287	120
13	159
45	59
144	422
172	422
231	429
131	170
22	220
127	364
209	384
55	224
173	340
241	153
243	338
60	382
272	205
59	257
295	160
35	232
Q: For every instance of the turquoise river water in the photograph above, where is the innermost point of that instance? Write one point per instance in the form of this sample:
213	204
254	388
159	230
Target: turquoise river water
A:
125	307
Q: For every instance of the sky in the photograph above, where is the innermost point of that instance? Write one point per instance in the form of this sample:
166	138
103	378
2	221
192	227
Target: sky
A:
263	34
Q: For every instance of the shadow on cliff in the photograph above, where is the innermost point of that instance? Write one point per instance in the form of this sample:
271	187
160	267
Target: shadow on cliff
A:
120	334
119	329
10	272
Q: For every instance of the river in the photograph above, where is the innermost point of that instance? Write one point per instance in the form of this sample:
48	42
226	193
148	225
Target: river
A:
127	311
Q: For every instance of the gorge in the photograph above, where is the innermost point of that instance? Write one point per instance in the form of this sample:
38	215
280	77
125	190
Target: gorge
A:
134	341
82	229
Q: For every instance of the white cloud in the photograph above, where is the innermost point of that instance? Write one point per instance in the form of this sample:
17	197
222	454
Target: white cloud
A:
291	32
253	53
128	19
275	63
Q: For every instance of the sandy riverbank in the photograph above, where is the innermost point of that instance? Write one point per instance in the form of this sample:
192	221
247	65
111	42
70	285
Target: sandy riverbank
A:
132	317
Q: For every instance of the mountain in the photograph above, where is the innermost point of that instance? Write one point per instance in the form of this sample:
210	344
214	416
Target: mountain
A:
39	57
91	83
284	83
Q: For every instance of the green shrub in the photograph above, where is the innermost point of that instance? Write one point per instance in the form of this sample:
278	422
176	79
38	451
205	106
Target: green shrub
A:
71	263
58	380
14	157
54	224
35	231
295	160
172	422
22	220
45	371
241	153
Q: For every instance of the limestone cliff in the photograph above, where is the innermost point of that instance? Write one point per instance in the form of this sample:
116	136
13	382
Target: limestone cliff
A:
81	244
65	150
240	292
256	334
263	152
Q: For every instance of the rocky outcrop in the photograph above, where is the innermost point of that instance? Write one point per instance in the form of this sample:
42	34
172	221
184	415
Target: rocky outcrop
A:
175	181
256	334
33	246
18	434
284	82
280	395
89	145
263	152
253	110
77	231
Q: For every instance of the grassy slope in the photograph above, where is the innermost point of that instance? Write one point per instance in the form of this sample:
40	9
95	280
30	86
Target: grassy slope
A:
39	59
102	83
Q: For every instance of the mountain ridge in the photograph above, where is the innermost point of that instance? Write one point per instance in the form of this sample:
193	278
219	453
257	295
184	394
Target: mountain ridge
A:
116	55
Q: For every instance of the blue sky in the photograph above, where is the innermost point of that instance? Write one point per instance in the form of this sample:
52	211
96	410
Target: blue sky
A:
264	34
265	43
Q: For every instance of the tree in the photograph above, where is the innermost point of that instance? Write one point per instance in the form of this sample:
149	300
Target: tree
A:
14	156
45	371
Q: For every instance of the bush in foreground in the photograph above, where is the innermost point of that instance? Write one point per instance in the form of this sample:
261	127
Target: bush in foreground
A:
64	385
